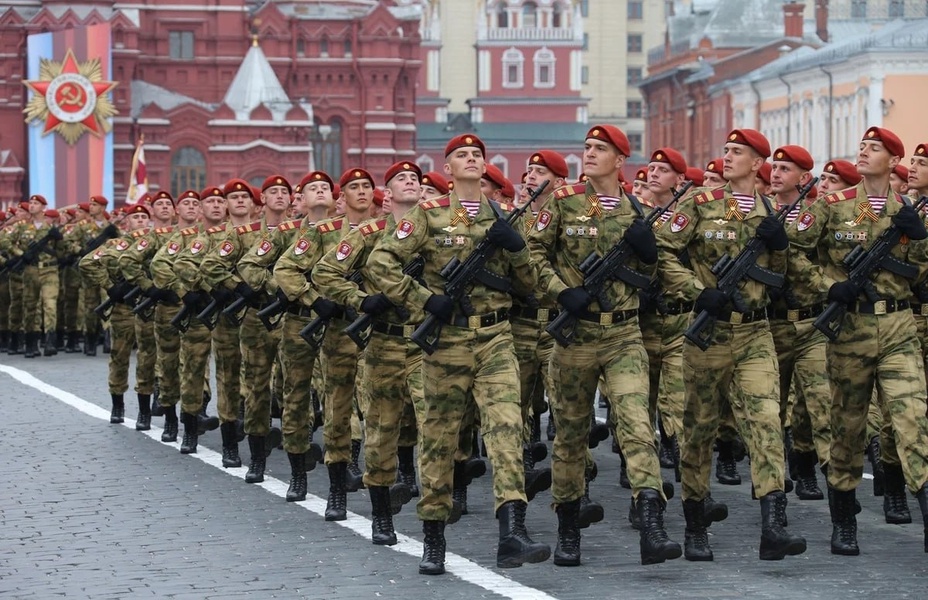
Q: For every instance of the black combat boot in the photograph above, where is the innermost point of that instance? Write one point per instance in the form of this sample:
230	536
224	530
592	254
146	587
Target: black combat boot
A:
297	490
73	344
170	424
406	471
313	455
874	454
567	552
713	511
922	496
191	435
255	472
623	472
726	471
118	412
273	440
336	507
895	504
382	532
32	345
536	480
806	482
204	421
599	432
633	519
355	478
551	428
696	536
843	522
156	409
230	457
775	542
590	512
143	421
400	495
656	547
90	343
666	450
433	548
107	341
15	340
515	547
51	344
60	340
4	340
459	489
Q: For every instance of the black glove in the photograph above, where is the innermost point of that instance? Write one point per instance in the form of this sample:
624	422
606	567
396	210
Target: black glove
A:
325	308
641	238
575	300
845	292
773	234
711	300
282	298
440	306
193	299
153	292
169	297
910	223
375	304
117	292
55	234
245	291
222	295
502	235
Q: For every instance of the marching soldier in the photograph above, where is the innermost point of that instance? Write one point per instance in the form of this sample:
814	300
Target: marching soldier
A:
712	176
91	292
837	175
433	185
474	357
742	360
40	277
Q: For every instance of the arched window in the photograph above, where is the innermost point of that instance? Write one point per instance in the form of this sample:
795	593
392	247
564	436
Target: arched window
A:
529	15
502	16
574	167
544	68
556	18
512	68
324	47
188	170
426	163
327	147
500	162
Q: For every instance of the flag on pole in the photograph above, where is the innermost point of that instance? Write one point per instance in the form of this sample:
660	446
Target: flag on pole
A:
138	178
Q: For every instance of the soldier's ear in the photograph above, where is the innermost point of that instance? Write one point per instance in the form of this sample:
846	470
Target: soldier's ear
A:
447	169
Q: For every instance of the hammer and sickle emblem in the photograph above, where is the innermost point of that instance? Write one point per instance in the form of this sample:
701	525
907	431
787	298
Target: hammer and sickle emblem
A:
72	95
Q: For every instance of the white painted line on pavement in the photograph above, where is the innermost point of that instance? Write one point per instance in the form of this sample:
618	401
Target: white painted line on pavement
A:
456	565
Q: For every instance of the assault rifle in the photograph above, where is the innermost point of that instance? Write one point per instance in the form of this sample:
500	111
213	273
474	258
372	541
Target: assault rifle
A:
359	330
599	271
31	252
460	275
105	308
314	331
861	264
730	272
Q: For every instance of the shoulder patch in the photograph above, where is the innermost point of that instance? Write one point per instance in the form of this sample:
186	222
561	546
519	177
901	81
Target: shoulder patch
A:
217	229
301	246
265	247
140	232
248	228
329	226
711	195
189	231
544	219
373	227
848	194
404	229
507	207
570	190
164	230
289	225
226	248
440	202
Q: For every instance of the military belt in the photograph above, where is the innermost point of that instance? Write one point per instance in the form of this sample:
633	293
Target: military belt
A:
796	314
403	331
920	309
298	310
737	318
608	318
679	309
545	315
478	321
882	307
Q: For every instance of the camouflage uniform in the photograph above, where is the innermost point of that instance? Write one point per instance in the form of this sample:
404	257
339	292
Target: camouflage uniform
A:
40	282
70	246
91	293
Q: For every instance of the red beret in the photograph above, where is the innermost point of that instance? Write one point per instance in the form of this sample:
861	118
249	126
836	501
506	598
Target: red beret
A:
378	197
794	154
641	175
84	206
240	185
902	172
397	168
101	200
845	170
435	180
627	186
715	166
12	210
2	216
495	176
336	191
133	209
694	174
145	199
751	138
611	134
921	150
276	180
71	212
163	195
189	194
353	174
212	191
313	177
52	214
465	140
40	198
671	157
764	172
890	140
551	160
813	193
24	206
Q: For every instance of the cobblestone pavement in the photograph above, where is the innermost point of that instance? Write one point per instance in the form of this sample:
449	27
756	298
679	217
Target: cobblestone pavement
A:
93	510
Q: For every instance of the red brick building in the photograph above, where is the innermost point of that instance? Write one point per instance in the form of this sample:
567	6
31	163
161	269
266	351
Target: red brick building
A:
234	88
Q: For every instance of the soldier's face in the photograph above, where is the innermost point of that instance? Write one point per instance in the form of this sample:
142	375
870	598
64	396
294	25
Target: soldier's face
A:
137	221
535	176
96	210
163	209
662	178
402	192
276	198
488	188
359	194
213	208
318	194
427	192
240	204
601	159
829	182
898	184
785	176
465	164
874	159
740	161
711	179
188	209
918	173
36	207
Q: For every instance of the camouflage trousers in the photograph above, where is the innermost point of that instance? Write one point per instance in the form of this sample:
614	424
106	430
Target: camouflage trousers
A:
227	353
16	302
616	353
92	297
921	329
534	348
477	364
5	304
663	341
881	351
391	388
296	358
122	336
358	402
146	357
742	362
801	357
68	316
339	371
195	346
168	345
32	299
259	351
